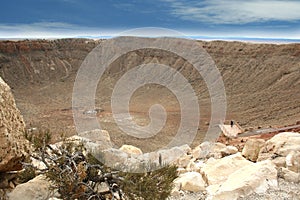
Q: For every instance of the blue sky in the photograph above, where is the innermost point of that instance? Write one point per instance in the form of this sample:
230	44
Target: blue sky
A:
214	18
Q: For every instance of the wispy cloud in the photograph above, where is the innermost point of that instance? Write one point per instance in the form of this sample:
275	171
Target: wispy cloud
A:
136	6
45	30
235	11
67	30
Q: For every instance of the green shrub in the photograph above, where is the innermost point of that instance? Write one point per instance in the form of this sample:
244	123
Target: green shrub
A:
27	174
150	185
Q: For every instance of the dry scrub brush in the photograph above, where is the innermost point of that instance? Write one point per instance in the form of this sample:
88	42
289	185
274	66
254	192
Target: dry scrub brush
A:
76	174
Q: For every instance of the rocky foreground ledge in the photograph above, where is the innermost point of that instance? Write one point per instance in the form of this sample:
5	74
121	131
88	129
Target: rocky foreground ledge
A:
211	171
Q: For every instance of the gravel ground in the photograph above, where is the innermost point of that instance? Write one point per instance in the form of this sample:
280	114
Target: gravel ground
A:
285	191
189	195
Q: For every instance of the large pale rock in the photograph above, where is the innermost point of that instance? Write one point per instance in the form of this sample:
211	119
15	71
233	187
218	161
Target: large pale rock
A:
190	181
252	148
292	161
94	141
184	161
123	159
229	150
173	154
216	171
201	151
138	162
280	146
217	147
255	177
289	175
112	157
131	149
99	139
13	146
37	189
221	150
195	166
230	131
215	150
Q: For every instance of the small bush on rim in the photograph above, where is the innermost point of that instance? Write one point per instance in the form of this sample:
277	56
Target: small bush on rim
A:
75	174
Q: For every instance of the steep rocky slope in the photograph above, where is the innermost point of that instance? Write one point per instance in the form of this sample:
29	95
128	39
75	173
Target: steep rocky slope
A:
262	84
262	80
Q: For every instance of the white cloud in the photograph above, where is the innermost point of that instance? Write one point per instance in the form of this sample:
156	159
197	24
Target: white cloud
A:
66	30
235	11
46	30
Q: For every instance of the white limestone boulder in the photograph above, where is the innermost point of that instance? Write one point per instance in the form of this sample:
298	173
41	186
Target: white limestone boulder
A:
131	149
190	181
255	177
216	171
252	148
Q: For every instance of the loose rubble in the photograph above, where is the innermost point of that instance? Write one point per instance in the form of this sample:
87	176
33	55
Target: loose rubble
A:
260	168
211	171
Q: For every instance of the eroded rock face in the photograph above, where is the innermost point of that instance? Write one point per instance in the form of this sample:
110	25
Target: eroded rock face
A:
129	161
252	148
217	171
13	145
283	149
255	177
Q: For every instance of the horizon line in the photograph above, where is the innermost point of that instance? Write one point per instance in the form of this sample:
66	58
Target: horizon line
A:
194	37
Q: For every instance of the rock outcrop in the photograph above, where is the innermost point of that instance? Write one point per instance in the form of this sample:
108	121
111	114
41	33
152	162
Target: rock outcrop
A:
284	150
255	177
252	148
217	175
216	150
190	181
99	139
131	149
235	176
129	161
289	175
35	189
14	146
217	171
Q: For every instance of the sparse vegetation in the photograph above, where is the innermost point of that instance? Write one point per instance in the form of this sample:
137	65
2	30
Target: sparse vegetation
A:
149	185
27	174
76	174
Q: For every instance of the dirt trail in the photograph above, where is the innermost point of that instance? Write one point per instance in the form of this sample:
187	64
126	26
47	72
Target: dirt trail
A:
269	130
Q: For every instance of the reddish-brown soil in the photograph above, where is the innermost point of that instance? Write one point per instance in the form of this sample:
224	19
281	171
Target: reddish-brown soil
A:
240	141
262	84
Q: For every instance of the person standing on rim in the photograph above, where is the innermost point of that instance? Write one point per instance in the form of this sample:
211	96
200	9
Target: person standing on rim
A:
231	123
